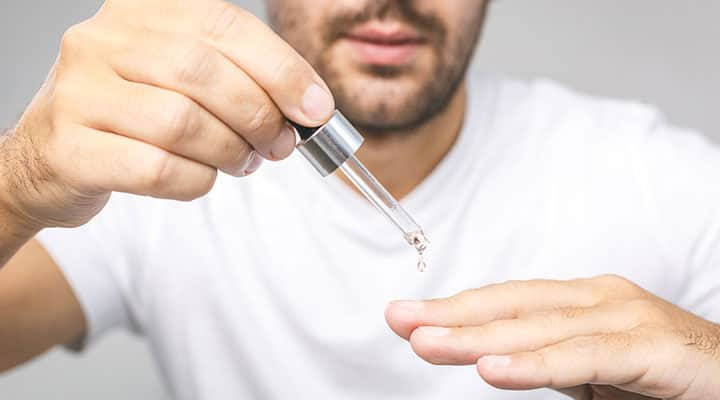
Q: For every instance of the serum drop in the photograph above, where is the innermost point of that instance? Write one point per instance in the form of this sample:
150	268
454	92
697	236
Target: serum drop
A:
418	240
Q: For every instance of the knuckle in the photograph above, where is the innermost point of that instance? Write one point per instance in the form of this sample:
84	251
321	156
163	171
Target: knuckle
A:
618	285
260	118
566	313
181	121
237	153
647	311
223	18
196	64
71	39
157	172
287	70
264	119
74	40
464	296
611	279
454	303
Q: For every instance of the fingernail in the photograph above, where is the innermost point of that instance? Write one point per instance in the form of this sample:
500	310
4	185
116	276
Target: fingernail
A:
495	361
433	331
284	144
253	164
317	103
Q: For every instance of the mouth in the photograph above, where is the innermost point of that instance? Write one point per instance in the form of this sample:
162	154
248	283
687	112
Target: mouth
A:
384	43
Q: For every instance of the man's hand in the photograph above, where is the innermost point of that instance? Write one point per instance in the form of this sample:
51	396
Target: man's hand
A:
600	338
152	97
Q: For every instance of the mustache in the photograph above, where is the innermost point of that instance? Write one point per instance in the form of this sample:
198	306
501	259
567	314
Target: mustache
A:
430	26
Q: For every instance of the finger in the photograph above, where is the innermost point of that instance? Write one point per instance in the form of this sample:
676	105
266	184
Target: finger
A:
479	306
290	81
167	120
464	345
96	162
202	73
581	360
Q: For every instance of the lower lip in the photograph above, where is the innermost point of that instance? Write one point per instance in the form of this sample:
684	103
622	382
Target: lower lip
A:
383	54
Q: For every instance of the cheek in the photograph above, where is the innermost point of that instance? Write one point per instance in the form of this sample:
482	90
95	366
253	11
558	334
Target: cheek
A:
463	18
299	23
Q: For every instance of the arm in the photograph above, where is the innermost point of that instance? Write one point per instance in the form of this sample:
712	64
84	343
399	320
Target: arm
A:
37	307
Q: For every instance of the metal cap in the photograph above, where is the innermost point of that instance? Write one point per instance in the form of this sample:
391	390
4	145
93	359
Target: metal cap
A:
331	144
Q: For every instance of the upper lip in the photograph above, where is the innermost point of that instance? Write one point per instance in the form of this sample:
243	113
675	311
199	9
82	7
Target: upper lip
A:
385	33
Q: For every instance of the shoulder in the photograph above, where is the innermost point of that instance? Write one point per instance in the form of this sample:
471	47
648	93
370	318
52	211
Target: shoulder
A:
622	154
554	116
558	111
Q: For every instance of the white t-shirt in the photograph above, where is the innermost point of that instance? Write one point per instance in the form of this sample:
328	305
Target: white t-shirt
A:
274	286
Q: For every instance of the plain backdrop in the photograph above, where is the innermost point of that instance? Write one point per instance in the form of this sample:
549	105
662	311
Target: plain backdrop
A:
660	52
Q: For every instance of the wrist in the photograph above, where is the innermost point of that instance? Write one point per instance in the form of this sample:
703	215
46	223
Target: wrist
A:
12	221
13	235
14	232
15	228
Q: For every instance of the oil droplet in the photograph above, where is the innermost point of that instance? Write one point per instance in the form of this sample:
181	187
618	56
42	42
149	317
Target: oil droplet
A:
418	240
421	265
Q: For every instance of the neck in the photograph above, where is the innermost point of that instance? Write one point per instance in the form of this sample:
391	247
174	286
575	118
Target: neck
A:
402	160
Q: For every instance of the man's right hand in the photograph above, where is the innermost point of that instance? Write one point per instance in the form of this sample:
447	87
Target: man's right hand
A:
152	98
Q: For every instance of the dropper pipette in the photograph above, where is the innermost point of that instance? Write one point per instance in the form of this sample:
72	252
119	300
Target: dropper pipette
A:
333	146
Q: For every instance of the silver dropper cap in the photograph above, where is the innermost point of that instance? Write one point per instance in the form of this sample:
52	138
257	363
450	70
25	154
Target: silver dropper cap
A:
331	144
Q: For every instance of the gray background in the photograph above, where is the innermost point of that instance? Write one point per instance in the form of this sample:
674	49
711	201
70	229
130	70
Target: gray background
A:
658	51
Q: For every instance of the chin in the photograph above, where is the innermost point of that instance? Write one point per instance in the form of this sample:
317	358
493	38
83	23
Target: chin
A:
379	104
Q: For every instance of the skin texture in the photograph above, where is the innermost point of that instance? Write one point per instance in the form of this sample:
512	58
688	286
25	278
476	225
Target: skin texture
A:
157	105
599	338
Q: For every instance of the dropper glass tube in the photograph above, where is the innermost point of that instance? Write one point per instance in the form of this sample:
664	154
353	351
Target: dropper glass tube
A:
383	200
331	147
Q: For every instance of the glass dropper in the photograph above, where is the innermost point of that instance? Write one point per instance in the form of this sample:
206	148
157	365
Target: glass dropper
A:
333	146
384	201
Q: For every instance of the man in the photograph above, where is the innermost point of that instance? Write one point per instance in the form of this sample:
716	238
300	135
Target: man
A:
274	286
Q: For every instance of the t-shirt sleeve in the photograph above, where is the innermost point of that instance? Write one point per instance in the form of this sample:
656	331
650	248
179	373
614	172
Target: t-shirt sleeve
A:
679	175
98	259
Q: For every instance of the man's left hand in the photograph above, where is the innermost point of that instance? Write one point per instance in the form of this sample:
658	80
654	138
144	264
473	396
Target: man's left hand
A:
599	338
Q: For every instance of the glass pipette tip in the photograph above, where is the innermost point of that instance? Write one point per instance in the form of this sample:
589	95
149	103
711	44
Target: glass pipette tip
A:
376	193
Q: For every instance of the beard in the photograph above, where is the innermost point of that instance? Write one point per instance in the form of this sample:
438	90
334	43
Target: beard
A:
383	100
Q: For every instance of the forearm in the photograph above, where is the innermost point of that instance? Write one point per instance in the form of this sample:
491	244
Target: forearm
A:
38	309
